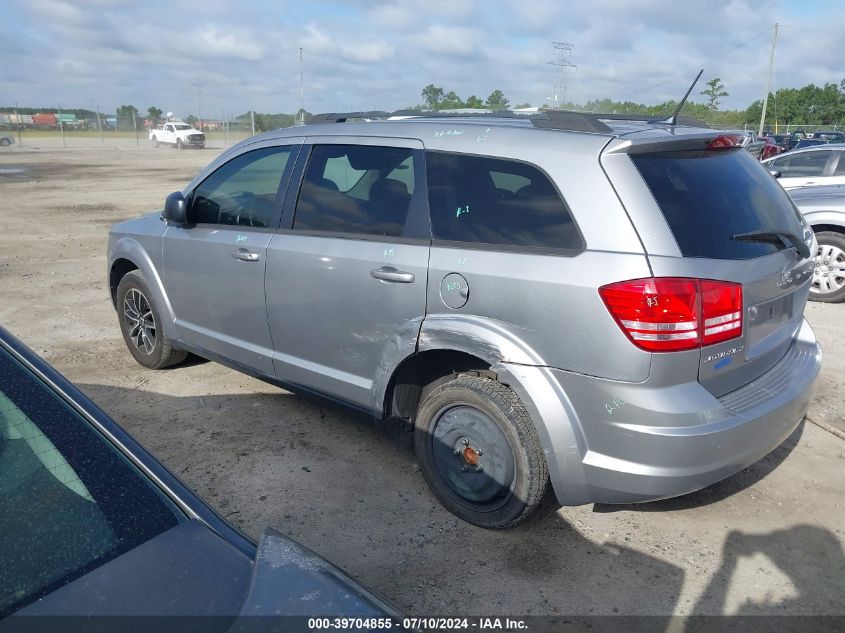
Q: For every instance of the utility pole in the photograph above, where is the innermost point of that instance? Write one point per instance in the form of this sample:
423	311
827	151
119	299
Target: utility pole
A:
252	118
563	64
769	80
100	126
61	126
18	122
301	89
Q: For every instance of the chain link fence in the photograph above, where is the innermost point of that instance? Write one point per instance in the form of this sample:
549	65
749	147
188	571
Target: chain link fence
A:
90	128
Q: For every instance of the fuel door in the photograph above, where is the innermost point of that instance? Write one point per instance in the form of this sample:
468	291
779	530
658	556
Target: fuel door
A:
454	291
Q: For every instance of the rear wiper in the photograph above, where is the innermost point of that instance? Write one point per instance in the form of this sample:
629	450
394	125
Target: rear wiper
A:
770	237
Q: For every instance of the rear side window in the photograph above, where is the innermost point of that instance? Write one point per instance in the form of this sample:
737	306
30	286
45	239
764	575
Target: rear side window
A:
710	197
840	168
357	189
495	201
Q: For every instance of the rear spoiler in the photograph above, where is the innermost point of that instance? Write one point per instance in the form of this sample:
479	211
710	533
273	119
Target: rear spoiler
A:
674	140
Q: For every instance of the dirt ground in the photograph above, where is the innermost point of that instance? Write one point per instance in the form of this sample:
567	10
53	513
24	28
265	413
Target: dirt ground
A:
766	541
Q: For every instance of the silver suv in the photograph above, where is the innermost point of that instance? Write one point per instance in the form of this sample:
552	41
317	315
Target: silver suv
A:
611	307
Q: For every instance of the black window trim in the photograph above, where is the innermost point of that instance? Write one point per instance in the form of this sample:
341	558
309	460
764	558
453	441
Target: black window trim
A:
509	248
281	191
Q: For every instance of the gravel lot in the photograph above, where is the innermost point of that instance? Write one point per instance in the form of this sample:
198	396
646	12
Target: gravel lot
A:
768	540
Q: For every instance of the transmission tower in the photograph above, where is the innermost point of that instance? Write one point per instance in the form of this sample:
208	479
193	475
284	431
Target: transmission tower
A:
563	66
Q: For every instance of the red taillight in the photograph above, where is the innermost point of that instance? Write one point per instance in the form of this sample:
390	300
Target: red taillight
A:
726	141
721	311
664	314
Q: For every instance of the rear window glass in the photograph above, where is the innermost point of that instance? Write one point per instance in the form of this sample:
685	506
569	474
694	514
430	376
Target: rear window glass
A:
495	201
709	197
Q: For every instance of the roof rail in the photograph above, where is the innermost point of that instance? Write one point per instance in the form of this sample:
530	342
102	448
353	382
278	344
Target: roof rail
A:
549	119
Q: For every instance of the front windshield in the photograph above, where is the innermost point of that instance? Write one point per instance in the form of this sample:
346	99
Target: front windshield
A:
182	127
70	501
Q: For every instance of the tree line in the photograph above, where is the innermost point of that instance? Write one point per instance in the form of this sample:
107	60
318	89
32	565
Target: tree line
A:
808	105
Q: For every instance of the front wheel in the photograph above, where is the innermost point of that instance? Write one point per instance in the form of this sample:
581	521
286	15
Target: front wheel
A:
5	142
179	143
140	324
479	451
829	273
155	141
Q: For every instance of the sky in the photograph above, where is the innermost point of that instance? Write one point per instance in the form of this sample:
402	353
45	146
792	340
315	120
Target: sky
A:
226	57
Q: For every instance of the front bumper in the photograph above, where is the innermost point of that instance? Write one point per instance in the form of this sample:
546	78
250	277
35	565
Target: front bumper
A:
631	442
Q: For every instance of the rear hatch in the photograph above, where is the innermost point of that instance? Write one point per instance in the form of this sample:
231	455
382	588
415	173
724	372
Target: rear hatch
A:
728	220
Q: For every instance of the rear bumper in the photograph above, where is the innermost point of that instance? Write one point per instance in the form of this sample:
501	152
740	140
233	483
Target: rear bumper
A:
638	442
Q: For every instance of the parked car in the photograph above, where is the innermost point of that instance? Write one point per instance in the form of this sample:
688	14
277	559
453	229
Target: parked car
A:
822	165
810	142
770	147
832	136
179	135
6	140
92	525
456	276
823	208
783	141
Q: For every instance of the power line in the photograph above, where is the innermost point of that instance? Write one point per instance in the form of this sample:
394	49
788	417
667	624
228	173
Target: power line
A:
805	28
710	61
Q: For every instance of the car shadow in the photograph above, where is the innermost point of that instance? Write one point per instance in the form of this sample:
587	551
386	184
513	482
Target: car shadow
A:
339	485
720	490
342	487
809	556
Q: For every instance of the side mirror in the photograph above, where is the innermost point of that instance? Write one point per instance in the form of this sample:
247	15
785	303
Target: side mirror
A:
775	173
175	208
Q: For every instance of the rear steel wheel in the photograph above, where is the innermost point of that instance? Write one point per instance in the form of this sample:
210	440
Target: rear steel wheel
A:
479	451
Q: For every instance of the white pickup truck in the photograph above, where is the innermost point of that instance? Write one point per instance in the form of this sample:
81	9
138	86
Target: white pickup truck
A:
180	135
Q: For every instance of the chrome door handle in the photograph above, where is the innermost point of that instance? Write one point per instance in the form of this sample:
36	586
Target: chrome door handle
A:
388	273
245	255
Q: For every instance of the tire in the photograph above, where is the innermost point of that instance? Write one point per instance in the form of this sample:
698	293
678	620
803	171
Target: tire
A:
479	451
155	141
829	273
149	345
5	142
179	144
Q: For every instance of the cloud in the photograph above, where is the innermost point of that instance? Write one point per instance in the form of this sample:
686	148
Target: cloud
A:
235	56
213	41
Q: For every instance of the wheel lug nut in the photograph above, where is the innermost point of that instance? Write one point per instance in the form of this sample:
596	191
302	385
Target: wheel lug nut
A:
480	453
464	469
457	451
466	442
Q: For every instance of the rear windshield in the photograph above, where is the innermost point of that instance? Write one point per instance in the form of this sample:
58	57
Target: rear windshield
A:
709	197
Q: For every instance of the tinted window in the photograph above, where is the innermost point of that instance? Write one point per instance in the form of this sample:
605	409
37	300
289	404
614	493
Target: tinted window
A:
70	501
800	165
356	189
495	201
243	191
840	168
708	197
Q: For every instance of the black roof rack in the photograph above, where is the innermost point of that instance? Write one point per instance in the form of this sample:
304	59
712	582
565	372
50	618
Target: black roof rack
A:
549	119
